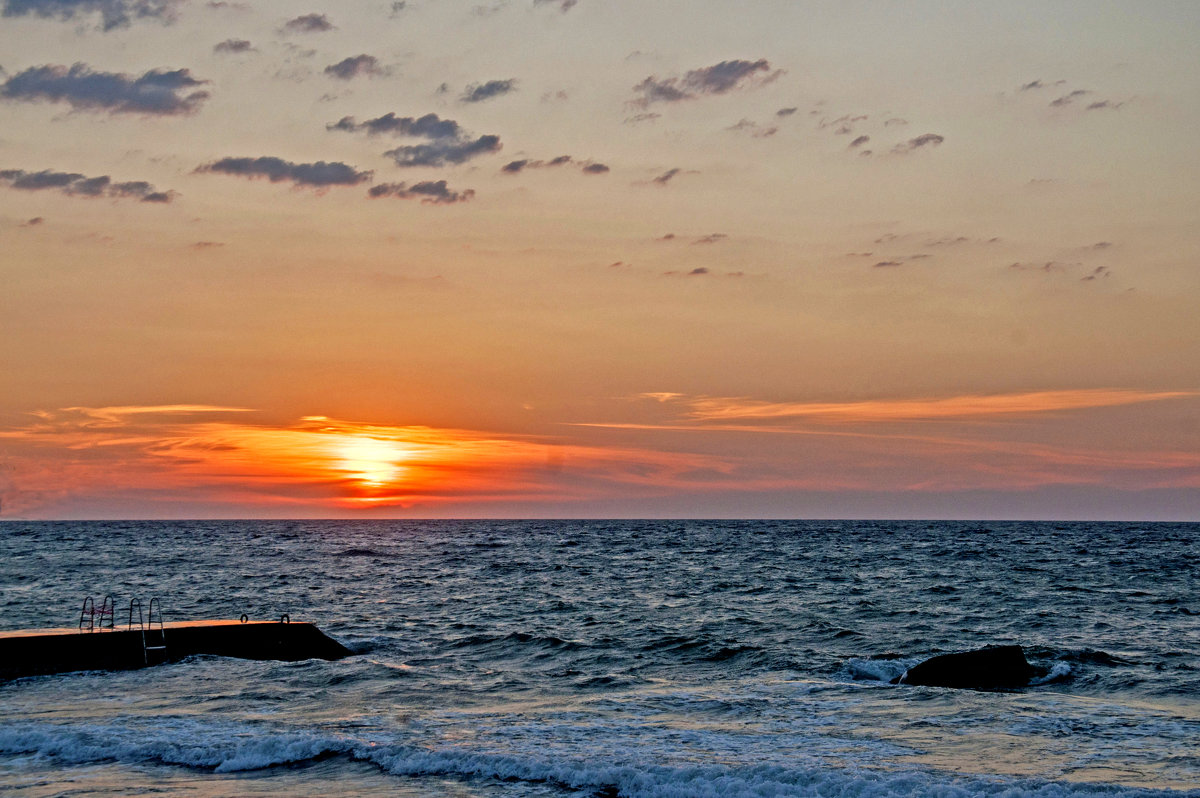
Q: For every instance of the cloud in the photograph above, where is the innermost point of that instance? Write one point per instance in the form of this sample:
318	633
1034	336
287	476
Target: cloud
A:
34	222
428	126
954	407
206	244
322	463
398	6
1033	84
716	79
563	5
444	151
321	174
595	169
113	13
448	142
1109	104
77	185
666	176
354	66
924	140
520	165
786	111
431	192
858	142
698	271
479	92
308	23
637	118
1098	272
160	92
1069	98
753	128
711	238
233	46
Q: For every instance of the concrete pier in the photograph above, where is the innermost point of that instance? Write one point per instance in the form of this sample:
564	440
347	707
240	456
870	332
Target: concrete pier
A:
38	651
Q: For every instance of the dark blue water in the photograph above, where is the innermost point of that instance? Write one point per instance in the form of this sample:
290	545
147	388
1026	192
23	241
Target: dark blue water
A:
619	658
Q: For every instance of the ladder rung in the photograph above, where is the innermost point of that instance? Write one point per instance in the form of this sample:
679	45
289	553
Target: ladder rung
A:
156	648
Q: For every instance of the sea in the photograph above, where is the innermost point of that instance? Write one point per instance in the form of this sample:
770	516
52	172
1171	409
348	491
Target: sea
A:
618	658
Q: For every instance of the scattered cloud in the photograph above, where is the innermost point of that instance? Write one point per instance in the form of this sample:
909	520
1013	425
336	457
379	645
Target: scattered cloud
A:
354	66
595	169
444	151
858	142
520	165
786	111
1069	98
716	79
563	5
206	244
1104	104
1096	273
479	92
431	192
447	141
159	92
320	175
113	13
924	140
753	129
77	185
233	46
895	121
308	23
428	126
667	237
711	238
34	222
398	6
666	176
883	264
638	118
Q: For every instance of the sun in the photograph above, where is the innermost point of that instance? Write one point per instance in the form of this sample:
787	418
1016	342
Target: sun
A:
371	462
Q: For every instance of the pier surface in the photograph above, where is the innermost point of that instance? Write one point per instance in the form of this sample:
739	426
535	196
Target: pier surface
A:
29	652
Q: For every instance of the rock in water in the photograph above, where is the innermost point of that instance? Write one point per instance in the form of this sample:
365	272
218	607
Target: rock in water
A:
993	666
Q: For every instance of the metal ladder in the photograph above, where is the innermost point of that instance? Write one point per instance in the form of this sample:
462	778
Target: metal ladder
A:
154	640
100	619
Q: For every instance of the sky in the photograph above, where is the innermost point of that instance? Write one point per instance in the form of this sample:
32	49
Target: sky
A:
574	258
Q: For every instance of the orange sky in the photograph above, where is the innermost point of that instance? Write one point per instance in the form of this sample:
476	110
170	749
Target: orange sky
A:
530	258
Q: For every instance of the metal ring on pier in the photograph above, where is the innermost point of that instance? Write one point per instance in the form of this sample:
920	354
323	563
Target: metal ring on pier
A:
244	618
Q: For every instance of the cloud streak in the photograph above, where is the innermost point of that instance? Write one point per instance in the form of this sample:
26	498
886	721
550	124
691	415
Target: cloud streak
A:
78	185
430	192
446	141
477	93
113	13
719	78
348	68
320	175
720	409
158	92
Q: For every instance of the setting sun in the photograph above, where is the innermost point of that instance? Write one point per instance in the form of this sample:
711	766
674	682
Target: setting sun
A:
370	461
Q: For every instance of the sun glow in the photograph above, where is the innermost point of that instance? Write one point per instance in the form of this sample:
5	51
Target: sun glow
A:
371	462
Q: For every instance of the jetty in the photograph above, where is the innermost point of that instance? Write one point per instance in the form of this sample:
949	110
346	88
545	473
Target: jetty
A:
100	644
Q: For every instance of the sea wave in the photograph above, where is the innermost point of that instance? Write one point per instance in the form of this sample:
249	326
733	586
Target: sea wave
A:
236	750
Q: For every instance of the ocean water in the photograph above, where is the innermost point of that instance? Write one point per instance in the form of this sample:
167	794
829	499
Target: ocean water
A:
621	658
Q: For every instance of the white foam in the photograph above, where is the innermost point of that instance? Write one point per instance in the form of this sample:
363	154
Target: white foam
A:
1059	671
634	774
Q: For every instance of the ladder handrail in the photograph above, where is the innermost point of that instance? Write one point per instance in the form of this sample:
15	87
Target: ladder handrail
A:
108	609
138	603
91	615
